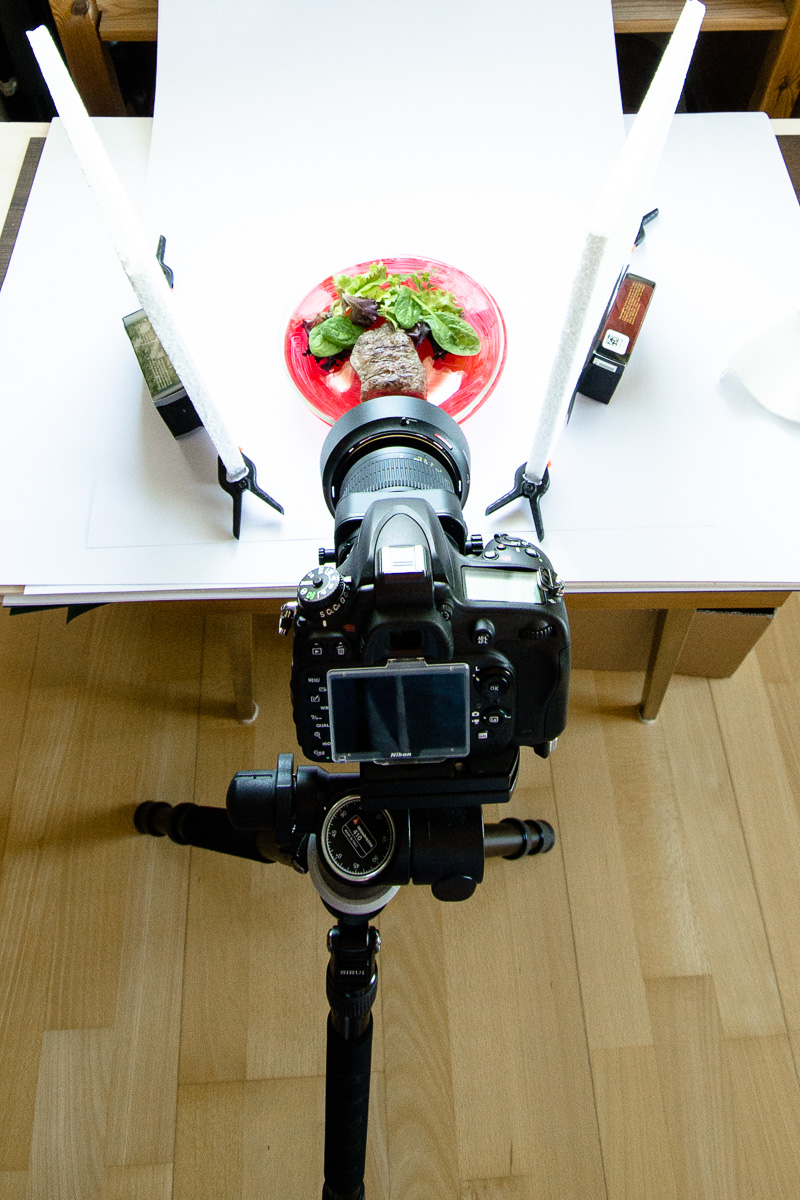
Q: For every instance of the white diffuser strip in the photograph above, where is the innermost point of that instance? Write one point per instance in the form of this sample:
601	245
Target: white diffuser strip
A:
130	242
612	231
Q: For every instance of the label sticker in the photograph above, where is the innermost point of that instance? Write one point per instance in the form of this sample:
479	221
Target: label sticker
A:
616	342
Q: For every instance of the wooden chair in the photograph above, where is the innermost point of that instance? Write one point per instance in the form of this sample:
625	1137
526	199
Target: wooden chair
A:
85	27
778	83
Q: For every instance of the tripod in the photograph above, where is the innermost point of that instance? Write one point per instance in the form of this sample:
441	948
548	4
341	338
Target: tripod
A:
357	856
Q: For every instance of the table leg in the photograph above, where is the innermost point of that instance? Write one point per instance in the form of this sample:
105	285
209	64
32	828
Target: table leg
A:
672	627
239	632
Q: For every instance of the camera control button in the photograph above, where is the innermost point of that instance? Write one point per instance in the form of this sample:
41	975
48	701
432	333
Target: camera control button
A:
536	630
483	633
494	682
490	554
494	717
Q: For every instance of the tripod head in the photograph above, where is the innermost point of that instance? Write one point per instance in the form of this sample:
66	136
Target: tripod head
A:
360	842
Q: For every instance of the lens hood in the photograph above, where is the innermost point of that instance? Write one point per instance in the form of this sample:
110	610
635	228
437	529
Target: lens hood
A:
401	422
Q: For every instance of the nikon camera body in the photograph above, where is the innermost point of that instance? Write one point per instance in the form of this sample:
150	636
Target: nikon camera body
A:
415	645
410	651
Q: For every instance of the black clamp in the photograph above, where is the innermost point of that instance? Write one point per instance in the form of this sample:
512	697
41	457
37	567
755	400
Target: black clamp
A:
169	274
646	219
237	487
526	489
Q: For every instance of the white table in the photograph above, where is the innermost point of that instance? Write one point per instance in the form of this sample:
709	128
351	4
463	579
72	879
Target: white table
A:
678	495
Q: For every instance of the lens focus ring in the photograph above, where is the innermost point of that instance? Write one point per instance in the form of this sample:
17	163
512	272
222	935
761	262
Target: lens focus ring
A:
396	468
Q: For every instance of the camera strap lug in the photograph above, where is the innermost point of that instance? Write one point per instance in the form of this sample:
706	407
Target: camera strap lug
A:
551	585
286	618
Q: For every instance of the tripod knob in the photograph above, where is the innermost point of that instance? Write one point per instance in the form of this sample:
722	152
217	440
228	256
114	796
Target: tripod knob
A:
454	887
263	799
250	800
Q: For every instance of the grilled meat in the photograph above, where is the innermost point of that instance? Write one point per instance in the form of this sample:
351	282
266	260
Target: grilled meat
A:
387	364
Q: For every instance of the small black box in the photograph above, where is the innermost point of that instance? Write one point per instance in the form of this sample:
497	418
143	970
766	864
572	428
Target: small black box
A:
168	393
614	342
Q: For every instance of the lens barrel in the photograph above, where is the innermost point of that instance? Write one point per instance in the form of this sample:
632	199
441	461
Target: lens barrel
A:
394	442
396	467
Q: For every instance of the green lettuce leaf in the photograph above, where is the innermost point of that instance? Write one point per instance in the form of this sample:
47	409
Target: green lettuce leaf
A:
454	334
333	336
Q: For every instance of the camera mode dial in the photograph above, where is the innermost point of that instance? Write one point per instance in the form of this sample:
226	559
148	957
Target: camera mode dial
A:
322	592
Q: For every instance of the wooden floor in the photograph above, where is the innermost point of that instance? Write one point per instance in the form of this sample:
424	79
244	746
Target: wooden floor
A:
620	1018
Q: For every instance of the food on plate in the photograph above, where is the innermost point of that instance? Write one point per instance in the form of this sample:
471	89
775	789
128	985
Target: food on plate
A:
387	363
411	307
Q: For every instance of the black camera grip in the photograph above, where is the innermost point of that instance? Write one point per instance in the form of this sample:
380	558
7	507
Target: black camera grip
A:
346	1111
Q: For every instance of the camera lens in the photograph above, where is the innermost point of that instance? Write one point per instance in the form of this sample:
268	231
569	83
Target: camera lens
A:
394	442
396	467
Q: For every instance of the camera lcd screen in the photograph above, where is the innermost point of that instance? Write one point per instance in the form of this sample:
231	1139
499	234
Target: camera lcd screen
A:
399	713
511	587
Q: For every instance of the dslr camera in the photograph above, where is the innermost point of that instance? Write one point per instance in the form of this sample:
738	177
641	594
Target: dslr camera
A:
421	654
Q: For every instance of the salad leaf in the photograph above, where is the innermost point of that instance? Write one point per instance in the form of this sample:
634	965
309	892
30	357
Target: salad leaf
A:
363	311
454	334
408	301
333	335
369	284
407	308
419	332
439	300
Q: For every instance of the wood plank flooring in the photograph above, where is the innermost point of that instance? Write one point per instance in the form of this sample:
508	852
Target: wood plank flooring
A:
618	1020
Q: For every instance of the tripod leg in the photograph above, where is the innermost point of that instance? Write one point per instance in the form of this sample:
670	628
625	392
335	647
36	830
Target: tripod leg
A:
197	825
352	984
347	1076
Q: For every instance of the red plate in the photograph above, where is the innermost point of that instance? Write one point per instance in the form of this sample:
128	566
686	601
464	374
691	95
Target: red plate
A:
457	385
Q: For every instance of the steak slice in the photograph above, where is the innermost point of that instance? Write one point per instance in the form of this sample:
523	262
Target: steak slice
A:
387	363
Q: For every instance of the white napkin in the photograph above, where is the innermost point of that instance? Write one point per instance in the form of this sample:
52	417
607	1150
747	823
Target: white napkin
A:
768	365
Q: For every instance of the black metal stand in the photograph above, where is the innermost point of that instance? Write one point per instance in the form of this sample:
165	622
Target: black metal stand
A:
237	488
353	944
526	489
